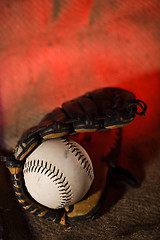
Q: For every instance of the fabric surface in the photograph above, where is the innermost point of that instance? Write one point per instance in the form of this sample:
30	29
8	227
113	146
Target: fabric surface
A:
53	51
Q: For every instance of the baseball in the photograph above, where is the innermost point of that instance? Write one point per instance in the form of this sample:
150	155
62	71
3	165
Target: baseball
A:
58	173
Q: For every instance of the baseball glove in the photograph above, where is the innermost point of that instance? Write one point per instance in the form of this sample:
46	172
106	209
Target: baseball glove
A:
83	118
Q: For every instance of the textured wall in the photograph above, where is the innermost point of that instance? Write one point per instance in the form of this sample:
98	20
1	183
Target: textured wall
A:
52	51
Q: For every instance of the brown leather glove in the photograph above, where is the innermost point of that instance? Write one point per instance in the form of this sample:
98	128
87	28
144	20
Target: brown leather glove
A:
102	109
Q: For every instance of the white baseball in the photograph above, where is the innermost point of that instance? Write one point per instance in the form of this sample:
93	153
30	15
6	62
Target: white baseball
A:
58	173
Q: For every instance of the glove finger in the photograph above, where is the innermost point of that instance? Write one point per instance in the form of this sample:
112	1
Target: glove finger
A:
54	124
83	111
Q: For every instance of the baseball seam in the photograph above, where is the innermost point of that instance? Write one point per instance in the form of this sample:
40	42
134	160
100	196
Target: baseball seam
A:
55	175
81	158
